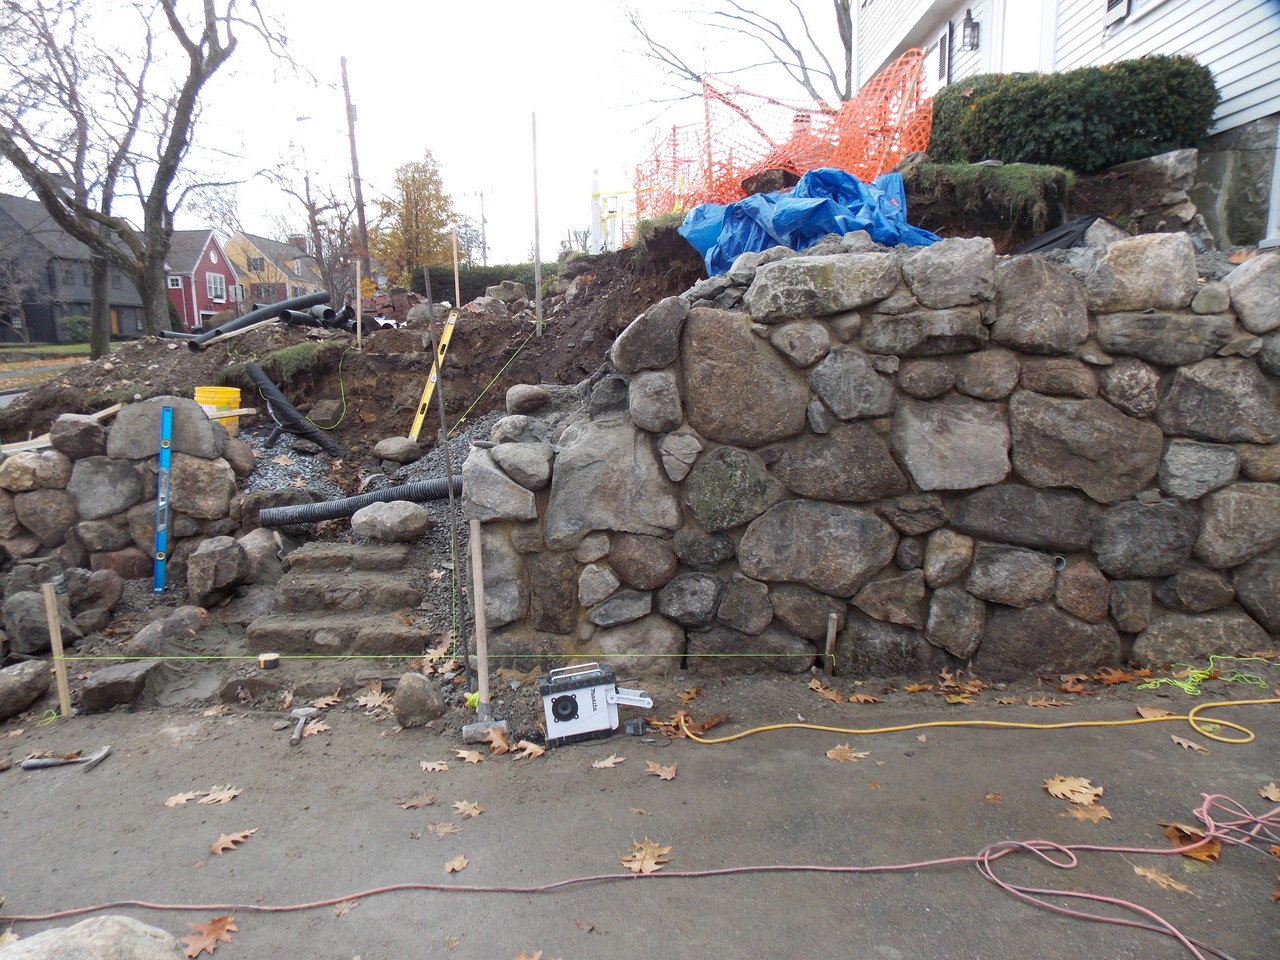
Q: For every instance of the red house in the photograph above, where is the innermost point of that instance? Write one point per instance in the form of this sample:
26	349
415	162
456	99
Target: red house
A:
200	278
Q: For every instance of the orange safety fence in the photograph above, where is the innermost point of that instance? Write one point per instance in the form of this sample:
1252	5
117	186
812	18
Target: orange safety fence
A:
743	134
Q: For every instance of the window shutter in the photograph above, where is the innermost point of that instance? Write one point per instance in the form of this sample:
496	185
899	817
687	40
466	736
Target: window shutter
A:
1116	11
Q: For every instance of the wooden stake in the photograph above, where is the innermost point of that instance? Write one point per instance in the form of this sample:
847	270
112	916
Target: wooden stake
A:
827	667
359	306
55	640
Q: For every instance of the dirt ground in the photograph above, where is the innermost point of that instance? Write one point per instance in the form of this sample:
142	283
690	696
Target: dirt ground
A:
338	817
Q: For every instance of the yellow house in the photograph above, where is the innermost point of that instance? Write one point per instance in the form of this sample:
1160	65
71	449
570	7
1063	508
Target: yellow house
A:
272	270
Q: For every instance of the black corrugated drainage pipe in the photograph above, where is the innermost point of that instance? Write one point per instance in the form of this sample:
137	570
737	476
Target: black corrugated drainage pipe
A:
298	318
286	417
434	489
270	311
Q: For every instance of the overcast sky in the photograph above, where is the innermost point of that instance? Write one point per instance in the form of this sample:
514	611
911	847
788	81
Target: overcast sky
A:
463	80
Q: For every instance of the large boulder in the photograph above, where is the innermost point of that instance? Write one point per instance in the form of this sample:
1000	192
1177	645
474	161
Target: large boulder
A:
48	514
952	444
1169	339
850	386
645	563
1040	640
1152	270
77	436
1255	292
397	521
98	938
1190	469
217	565
528	464
744	605
27	624
35	470
506	589
1257	586
1223	400
805	612
1011	575
986	375
690	599
651	645
1238	523
102	486
729	487
1040	307
135	431
654	401
738	389
952	272
852	463
1193	638
721	652
800	287
652	340
1144	539
489	492
925	333
1087	444
1025	516
831	548
956	621
22	685
874	648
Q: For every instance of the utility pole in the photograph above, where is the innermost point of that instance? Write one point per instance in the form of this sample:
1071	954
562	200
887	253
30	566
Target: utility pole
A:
484	244
355	175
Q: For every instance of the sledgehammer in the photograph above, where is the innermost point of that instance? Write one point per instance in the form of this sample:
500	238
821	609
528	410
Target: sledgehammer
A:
479	731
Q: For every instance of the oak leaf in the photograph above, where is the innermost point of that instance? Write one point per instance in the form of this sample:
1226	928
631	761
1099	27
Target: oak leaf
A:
180	799
324	703
659	771
527	748
956	698
646	857
843	753
217	794
822	690
315	727
417	800
282	460
468	808
922	738
457	864
229	841
862	698
918	687
1075	683
1007	701
1270	792
608	763
216	711
433	766
442	829
1190	745
497	741
1042	702
374	698
342	908
1110	676
1076	789
1154	713
470	756
687	696
207	936
1094	814
1166	882
1182	835
993	798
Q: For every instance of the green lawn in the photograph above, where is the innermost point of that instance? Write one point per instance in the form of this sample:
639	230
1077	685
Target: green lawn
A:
15	352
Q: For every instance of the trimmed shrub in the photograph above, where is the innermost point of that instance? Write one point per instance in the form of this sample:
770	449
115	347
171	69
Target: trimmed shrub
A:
473	281
73	329
1083	119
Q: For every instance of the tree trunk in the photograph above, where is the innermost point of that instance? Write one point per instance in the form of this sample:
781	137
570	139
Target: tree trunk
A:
99	308
155	298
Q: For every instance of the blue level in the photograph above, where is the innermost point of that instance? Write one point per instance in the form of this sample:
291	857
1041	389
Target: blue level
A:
162	498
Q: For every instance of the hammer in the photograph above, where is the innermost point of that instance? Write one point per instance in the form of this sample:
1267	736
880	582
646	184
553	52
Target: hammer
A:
302	715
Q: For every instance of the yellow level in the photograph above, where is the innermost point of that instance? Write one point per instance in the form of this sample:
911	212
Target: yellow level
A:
430	386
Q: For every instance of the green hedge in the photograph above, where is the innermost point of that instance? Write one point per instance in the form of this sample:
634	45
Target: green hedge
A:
74	329
473	281
1083	119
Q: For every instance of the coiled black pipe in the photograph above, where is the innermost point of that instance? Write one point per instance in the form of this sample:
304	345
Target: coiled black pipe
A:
434	489
283	413
268	312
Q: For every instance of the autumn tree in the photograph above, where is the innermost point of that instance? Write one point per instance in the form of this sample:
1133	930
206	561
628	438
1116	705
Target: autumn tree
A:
414	224
80	118
332	229
789	43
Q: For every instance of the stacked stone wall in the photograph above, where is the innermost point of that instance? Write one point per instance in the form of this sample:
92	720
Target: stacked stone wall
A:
1032	464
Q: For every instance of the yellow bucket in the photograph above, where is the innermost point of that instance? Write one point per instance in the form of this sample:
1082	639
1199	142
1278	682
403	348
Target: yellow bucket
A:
215	400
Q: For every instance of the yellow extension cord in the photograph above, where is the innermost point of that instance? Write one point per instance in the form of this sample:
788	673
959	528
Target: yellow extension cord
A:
1191	717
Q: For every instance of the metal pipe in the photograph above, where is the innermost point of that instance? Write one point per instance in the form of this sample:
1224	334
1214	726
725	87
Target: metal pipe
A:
436	488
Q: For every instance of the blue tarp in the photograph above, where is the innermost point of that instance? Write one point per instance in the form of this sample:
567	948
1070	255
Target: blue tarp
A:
823	201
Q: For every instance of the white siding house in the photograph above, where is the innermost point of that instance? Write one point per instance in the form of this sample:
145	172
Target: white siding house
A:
1238	40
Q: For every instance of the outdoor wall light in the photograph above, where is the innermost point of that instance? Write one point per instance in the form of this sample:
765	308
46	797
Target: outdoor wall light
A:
969	31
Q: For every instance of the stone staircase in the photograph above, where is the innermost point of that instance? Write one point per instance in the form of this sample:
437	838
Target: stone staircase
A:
338	599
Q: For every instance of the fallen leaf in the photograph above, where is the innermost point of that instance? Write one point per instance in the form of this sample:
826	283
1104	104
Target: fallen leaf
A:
442	829
1270	792
608	763
220	794
374	697
209	935
324	703
229	841
659	771
1110	676
584	926
993	798
8	936
452	942
527	748
687	696
435	576
1042	702
345	907
433	766
529	956
216	711
415	834
520	677
646	856
1274	850
1076	789
417	800
1006	701
955	683
1190	745
471	756
843	753
282	460
919	688
1094	814
457	864
1182	835
1154	713
180	799
1075	683
1166	882
862	698
955	698
822	690
640	812
1240	256
872	785
315	727
468	808
497	741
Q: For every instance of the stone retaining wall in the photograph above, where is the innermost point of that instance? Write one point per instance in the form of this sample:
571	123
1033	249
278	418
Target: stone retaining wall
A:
1035	464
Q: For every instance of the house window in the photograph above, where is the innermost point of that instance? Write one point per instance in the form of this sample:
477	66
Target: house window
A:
175	283
255	264
216	284
68	274
115	281
1116	10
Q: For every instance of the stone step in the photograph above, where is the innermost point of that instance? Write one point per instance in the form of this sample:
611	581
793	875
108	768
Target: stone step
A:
336	635
343	591
348	556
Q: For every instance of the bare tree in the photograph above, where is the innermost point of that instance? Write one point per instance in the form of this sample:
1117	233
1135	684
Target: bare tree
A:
792	46
74	118
332	228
